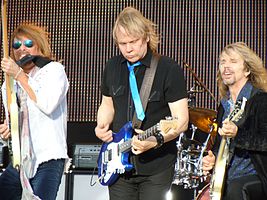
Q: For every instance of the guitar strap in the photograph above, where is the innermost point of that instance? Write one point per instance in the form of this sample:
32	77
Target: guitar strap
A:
39	61
240	123
146	87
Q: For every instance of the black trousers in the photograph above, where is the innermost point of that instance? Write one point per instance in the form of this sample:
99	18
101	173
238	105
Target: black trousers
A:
245	188
152	187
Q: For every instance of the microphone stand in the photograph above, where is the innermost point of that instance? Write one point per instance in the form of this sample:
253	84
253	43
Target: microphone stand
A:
199	82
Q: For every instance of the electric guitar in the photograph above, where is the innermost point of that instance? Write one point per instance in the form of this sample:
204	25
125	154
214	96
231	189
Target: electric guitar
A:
218	176
113	157
12	119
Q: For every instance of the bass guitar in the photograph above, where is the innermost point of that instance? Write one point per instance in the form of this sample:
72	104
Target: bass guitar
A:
218	176
113	157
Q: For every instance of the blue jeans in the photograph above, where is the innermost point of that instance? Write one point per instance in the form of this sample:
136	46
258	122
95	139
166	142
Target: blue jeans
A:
45	183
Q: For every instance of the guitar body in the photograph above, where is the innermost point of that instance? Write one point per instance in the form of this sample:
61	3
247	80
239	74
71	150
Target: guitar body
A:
218	176
111	162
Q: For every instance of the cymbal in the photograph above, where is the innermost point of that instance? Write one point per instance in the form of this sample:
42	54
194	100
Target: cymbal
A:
203	119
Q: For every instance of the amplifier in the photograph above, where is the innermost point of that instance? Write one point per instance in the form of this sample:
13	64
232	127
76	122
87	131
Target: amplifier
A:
85	156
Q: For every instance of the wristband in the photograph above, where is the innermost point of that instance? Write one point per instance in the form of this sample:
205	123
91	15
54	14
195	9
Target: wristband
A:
160	140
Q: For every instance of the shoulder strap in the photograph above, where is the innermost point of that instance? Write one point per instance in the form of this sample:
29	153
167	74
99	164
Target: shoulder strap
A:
146	87
39	61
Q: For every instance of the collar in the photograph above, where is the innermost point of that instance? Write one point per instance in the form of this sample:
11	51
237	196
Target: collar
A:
245	92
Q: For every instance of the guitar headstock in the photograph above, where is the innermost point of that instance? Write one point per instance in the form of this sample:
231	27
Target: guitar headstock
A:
167	124
237	113
4	2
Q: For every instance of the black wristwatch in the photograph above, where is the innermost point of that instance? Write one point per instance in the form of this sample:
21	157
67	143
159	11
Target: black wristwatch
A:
160	140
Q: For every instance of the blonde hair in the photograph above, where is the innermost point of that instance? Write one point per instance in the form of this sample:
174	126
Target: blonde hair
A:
37	34
137	25
252	63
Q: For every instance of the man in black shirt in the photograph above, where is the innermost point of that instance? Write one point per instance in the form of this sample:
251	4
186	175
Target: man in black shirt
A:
153	158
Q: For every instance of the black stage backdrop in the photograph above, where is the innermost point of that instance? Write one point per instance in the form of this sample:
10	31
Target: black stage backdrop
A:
193	32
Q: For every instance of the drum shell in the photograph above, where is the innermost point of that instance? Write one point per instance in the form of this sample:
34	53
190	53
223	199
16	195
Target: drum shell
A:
204	194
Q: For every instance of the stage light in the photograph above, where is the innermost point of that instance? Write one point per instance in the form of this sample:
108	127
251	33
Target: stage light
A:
169	195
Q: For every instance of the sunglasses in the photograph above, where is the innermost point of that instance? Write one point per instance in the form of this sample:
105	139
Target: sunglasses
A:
27	43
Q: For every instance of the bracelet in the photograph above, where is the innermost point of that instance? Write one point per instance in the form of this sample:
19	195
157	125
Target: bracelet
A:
20	70
160	140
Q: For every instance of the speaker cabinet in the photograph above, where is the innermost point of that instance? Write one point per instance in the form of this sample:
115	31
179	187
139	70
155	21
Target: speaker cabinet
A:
81	185
83	190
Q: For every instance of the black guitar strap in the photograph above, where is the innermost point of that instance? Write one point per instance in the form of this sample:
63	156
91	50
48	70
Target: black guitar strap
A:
146	88
39	61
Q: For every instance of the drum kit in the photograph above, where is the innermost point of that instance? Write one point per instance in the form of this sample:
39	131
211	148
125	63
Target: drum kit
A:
188	168
190	151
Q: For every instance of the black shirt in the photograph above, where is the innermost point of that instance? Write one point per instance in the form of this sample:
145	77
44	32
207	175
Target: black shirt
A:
168	86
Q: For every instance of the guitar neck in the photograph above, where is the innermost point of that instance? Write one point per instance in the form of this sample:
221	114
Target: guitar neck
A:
127	145
149	132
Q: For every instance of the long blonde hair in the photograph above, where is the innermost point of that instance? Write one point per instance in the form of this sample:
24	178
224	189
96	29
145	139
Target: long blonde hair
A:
137	25
37	34
252	63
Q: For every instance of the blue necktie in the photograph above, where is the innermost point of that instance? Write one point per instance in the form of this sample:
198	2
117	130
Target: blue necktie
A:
134	90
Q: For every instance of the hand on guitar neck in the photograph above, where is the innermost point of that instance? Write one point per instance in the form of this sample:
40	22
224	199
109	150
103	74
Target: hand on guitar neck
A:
229	129
140	146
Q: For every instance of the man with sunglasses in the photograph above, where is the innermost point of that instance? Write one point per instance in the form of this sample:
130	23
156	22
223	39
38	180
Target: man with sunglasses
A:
41	92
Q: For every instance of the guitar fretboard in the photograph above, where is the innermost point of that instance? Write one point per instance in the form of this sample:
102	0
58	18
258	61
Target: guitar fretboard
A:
126	146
